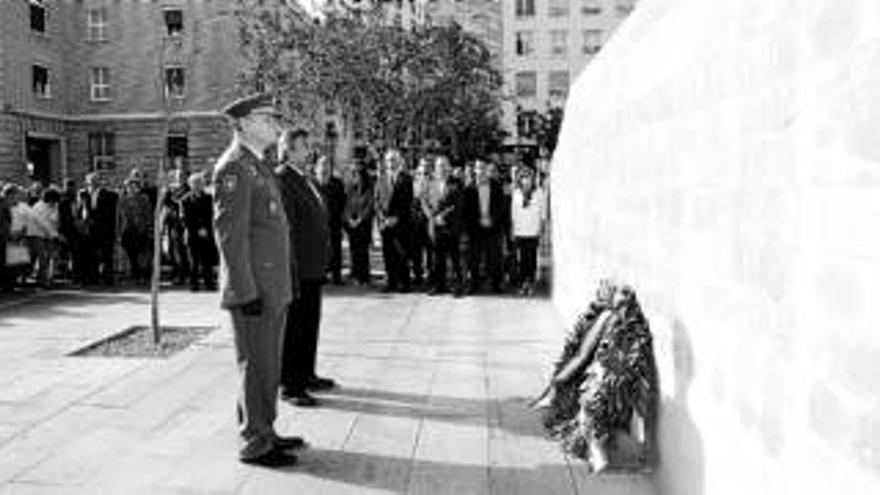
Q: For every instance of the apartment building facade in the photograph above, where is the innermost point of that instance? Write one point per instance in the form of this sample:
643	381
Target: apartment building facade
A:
111	85
481	18
546	44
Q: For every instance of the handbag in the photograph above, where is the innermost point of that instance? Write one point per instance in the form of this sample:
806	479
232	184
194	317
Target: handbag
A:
17	254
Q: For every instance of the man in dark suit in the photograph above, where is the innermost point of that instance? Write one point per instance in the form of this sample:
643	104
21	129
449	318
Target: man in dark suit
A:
196	209
394	215
446	222
309	236
333	191
486	216
251	230
102	225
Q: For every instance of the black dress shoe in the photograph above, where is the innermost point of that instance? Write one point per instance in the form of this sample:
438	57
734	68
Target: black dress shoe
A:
288	443
319	383
300	398
273	458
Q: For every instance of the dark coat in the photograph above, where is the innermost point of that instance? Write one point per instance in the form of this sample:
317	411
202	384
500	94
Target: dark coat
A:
196	209
102	215
309	227
5	220
498	207
451	206
399	204
334	198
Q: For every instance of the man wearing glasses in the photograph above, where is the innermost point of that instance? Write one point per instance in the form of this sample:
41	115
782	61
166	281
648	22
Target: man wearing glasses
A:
251	230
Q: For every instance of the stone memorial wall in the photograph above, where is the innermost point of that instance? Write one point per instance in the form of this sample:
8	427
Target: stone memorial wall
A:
724	158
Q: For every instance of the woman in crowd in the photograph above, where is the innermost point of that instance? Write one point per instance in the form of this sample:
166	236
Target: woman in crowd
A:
18	259
527	215
45	235
358	222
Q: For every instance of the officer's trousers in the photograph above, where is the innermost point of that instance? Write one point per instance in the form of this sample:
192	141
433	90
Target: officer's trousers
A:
258	352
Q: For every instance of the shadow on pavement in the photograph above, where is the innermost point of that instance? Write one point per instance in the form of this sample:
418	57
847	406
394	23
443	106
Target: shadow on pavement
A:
510	414
406	475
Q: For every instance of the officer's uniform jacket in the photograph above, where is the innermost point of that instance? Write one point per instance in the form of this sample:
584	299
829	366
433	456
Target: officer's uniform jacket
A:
251	231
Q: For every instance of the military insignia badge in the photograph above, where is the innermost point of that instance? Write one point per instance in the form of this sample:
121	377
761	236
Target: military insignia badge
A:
230	183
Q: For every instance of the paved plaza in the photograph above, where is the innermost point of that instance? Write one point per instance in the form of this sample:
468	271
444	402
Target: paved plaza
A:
432	400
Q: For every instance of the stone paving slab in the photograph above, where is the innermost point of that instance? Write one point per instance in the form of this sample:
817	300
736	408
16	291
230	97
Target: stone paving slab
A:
433	400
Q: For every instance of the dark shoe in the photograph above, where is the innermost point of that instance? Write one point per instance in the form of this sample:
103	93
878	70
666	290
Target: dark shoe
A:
496	288
319	383
458	292
388	289
289	443
272	459
436	291
300	398
472	290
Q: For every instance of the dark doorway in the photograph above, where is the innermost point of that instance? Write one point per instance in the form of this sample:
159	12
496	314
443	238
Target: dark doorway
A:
44	156
177	150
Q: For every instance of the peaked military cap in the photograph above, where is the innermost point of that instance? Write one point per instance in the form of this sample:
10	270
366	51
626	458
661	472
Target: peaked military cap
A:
245	105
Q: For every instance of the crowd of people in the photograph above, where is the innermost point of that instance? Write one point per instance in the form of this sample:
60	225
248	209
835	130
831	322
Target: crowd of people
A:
443	229
99	235
461	229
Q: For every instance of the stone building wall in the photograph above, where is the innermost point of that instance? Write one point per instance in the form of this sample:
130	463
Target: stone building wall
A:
723	158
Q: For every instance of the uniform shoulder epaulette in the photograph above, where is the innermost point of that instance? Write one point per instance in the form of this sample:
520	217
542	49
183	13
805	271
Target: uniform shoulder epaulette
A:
231	155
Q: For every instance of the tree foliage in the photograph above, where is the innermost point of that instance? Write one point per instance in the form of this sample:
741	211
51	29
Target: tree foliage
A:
406	86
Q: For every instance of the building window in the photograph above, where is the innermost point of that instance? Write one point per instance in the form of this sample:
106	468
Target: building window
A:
177	150
173	21
40	81
624	7
102	150
526	123
100	84
526	84
558	84
592	41
558	42
175	82
558	8
525	42
591	7
97	24
38	16
525	8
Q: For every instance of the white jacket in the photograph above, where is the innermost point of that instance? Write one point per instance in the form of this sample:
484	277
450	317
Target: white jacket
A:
44	220
527	221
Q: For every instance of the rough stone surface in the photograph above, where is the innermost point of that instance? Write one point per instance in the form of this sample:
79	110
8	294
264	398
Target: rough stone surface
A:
723	158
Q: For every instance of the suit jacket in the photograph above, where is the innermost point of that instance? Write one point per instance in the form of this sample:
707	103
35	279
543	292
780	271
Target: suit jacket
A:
449	205
101	208
398	203
498	207
251	231
196	210
333	193
5	220
309	227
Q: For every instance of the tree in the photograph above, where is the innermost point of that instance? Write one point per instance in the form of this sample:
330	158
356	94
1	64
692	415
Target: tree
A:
406	86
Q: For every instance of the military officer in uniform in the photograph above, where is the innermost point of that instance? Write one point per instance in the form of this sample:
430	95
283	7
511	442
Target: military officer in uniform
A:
251	230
